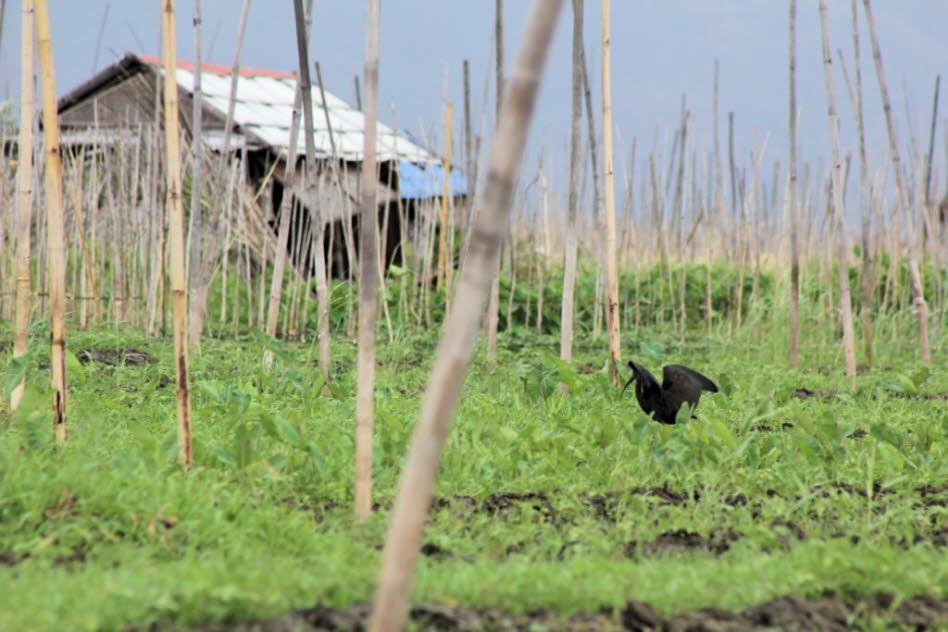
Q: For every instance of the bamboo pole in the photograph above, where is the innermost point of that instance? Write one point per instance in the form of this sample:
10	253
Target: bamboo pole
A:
195	228
24	193
283	230
176	234
234	77
845	301
443	209
792	198
493	308
598	218
468	149
400	554
715	205
55	225
901	193
865	191
305	100
368	270
612	280
575	156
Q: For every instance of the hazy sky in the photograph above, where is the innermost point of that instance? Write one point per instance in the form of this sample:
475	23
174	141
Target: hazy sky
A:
661	49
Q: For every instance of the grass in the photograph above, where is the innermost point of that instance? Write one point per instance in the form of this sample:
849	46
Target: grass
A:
106	532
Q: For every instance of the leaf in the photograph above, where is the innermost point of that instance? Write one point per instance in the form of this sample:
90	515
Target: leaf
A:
74	369
684	414
277	462
282	429
722	432
224	457
654	351
212	390
921	376
15	374
896	382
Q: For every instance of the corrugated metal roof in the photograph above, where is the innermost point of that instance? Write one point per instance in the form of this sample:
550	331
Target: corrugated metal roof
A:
264	109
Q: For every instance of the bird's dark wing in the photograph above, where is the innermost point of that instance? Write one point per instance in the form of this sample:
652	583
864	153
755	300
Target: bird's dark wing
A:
681	384
677	372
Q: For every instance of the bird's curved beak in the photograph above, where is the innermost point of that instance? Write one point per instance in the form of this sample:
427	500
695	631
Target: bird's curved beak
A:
631	379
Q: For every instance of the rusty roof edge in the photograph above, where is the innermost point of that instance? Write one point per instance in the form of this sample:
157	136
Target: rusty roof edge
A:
124	68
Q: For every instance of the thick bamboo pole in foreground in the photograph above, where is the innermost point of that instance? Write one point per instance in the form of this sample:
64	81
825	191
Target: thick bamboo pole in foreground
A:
612	275
368	271
175	209
454	352
55	226
575	157
24	186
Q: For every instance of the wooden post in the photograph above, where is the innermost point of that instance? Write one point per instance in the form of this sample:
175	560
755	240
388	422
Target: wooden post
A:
24	184
612	280
179	299
368	271
55	227
454	353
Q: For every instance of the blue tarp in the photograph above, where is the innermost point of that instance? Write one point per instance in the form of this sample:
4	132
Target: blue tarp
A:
417	181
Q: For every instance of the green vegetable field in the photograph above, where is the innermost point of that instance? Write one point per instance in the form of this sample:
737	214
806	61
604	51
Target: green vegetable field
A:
572	505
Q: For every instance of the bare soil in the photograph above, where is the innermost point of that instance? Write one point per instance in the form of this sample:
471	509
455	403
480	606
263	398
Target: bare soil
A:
789	612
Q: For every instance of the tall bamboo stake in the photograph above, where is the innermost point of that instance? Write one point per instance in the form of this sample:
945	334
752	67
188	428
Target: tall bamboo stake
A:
597	193
865	194
417	484
179	299
575	156
845	301
443	209
283	230
24	193
792	198
194	221
368	271
55	226
715	205
493	308
901	193
612	280
235	77
468	149
305	100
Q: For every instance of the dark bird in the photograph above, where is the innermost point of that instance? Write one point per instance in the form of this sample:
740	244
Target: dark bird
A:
679	384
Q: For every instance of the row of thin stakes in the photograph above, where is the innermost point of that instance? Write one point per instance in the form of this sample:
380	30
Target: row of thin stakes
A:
682	203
